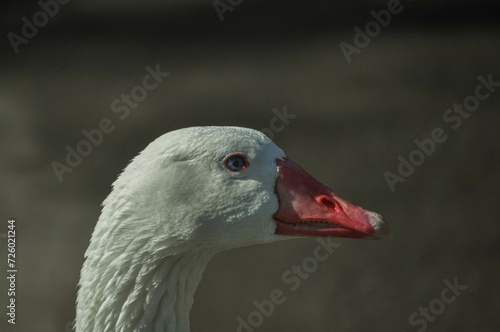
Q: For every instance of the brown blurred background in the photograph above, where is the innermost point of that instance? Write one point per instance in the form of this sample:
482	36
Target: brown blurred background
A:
352	121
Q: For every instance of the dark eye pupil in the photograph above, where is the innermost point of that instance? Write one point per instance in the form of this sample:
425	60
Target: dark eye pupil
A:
235	163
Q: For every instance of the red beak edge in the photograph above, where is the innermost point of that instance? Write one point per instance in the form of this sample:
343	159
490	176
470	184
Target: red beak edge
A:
309	208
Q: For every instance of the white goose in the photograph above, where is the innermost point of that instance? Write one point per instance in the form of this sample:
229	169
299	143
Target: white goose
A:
192	193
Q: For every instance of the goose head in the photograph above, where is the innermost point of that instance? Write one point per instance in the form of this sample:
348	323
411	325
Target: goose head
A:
232	186
191	193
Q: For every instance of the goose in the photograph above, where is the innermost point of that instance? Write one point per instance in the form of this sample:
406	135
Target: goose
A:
188	195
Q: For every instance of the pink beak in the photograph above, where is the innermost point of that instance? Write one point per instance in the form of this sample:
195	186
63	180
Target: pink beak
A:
309	208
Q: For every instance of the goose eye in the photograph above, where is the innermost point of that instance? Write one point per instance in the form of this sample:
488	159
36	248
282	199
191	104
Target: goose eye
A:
236	162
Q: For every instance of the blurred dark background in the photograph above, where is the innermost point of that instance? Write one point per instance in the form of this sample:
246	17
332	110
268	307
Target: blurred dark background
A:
352	122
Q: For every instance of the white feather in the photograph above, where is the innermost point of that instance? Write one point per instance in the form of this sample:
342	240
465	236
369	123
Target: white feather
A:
173	208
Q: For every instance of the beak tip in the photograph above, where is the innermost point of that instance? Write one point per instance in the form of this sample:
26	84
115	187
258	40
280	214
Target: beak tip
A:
381	228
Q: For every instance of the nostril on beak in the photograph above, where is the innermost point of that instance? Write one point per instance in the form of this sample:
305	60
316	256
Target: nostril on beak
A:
327	202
